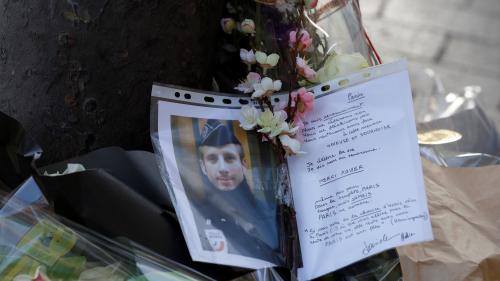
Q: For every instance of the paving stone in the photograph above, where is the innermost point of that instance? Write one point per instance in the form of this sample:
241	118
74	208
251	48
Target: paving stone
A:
477	26
490	8
455	80
449	15
473	57
423	12
459	39
411	42
371	8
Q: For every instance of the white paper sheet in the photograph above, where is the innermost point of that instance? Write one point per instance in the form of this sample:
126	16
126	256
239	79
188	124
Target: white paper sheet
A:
359	189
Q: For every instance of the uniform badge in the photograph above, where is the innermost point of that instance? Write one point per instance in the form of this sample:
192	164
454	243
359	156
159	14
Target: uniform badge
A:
217	240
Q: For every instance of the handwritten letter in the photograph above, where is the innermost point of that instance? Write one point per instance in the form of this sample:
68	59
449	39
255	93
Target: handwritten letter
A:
359	189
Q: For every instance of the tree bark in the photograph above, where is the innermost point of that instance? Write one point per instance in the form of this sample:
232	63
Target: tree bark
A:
78	73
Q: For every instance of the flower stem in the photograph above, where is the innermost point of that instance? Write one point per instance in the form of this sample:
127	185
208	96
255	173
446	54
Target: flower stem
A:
267	101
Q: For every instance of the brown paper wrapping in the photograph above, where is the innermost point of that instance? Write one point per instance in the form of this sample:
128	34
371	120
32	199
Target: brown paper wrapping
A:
464	204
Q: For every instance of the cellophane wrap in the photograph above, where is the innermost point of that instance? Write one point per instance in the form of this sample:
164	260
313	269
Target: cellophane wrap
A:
35	244
453	128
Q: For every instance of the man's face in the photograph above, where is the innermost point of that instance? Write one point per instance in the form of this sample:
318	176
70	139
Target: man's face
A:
223	165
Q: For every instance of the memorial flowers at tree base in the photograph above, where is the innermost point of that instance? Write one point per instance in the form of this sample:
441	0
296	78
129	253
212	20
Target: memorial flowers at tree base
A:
288	46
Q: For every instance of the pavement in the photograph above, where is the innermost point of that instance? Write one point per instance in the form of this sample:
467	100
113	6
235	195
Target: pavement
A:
458	39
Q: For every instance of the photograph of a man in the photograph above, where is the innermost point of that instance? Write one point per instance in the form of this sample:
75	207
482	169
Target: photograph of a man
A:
221	157
230	218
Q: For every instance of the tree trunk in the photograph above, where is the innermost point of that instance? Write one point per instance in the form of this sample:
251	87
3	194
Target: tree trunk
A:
78	73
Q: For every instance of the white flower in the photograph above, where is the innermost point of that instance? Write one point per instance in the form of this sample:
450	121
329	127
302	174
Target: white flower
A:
283	128
271	123
277	125
280	125
70	169
266	87
291	145
266	120
340	65
289	129
266	61
248	117
248	57
246	86
247	26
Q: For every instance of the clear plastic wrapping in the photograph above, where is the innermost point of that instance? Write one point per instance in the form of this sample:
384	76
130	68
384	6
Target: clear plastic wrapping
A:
265	274
454	130
120	194
38	245
382	267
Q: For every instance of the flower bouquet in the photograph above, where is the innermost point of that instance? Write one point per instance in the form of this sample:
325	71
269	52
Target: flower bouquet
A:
288	45
36	245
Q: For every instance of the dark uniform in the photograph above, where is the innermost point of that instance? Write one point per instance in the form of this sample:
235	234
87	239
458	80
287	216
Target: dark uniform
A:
248	226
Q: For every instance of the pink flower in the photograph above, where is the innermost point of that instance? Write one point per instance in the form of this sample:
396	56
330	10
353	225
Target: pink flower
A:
305	40
303	101
304	69
297	121
311	4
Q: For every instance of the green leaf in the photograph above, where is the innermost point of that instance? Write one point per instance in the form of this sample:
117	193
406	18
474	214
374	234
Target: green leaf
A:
23	265
68	268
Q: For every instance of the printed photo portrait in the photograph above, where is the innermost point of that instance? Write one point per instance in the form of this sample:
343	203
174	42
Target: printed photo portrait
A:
229	178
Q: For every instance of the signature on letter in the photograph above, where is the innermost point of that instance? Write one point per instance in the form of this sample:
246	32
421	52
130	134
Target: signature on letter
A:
369	246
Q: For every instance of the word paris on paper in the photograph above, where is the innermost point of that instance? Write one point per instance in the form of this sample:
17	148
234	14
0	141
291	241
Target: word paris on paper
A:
357	191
